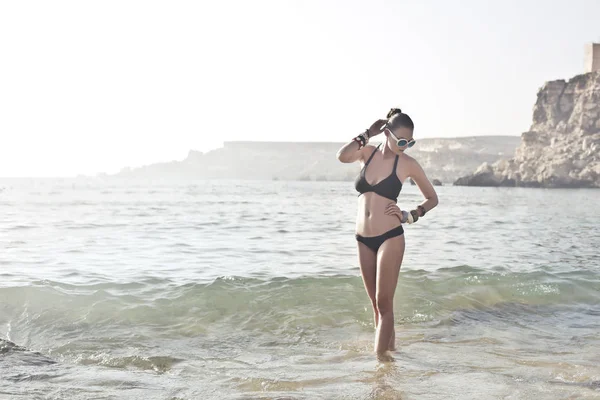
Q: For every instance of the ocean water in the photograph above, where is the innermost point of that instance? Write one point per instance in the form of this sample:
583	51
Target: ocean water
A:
251	290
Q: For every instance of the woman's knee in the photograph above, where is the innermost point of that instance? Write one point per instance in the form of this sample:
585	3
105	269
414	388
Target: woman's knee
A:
374	304
384	303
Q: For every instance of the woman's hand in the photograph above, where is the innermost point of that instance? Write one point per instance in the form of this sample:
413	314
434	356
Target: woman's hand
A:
393	209
377	127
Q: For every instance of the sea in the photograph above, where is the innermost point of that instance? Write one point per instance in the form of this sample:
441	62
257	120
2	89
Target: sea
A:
200	289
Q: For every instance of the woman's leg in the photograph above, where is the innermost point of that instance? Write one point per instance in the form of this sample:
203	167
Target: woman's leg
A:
367	259
389	260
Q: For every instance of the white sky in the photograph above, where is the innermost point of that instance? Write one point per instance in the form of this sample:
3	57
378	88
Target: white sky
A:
88	87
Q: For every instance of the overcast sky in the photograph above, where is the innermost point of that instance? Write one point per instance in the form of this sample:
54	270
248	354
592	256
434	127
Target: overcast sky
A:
88	87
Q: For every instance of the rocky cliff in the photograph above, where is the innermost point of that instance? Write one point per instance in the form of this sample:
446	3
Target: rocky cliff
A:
562	146
443	159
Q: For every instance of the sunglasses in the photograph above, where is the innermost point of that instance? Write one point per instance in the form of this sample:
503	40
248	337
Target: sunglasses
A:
402	142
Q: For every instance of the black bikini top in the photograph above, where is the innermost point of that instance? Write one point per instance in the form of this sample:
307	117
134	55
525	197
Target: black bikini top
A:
389	188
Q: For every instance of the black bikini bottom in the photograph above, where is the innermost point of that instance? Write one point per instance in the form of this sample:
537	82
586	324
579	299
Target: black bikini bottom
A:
375	242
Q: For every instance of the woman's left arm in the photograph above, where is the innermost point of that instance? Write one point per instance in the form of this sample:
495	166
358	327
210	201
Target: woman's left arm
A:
418	175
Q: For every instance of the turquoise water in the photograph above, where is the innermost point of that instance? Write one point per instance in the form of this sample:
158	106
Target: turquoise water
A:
251	290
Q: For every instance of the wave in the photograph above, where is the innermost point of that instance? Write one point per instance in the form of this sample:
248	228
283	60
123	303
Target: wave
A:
420	296
160	364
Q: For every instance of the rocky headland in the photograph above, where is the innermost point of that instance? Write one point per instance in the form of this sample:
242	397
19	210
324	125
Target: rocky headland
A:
561	148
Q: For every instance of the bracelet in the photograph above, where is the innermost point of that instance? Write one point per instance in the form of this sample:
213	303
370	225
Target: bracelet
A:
362	139
415	216
410	217
422	209
365	136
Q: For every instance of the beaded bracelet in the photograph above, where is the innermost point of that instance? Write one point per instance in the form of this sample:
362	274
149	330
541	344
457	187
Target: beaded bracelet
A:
362	139
409	217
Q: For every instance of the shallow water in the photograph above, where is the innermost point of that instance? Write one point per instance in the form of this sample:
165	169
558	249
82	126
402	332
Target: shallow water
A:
251	290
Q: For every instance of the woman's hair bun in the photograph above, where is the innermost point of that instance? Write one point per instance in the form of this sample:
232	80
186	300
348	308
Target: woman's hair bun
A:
393	112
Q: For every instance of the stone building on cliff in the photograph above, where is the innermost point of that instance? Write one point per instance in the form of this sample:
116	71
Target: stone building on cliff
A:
592	57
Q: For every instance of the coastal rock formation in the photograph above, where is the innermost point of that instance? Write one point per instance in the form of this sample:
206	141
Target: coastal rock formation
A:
443	159
561	148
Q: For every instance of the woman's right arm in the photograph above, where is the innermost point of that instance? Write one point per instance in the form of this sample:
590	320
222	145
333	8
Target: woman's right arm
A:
352	151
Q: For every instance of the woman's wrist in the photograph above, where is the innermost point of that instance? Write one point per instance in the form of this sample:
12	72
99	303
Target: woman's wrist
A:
415	215
362	139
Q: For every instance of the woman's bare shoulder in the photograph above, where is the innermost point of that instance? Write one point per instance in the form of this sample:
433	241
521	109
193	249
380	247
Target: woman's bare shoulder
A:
366	152
410	160
370	148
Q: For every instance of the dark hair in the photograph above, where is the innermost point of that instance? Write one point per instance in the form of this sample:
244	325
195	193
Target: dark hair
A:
396	119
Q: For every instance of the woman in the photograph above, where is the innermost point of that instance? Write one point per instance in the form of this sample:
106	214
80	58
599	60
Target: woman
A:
379	231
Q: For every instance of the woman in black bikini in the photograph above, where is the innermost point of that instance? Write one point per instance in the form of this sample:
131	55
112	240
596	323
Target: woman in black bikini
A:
379	231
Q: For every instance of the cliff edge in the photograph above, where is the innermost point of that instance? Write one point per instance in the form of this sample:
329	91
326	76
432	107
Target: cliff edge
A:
561	148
